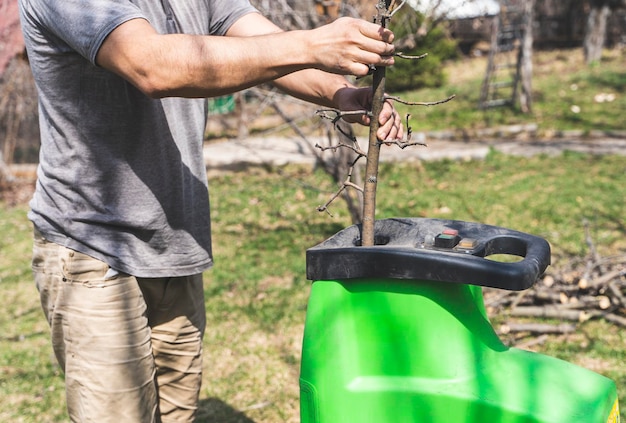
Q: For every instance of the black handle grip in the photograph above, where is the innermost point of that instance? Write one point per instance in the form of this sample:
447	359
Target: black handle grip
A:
432	249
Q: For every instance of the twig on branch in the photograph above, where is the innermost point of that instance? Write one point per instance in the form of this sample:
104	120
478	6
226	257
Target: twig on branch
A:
347	183
354	148
419	103
404	144
334	115
324	208
393	9
408	57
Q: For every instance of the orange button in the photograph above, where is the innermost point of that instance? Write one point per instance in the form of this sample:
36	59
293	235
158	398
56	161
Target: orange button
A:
467	243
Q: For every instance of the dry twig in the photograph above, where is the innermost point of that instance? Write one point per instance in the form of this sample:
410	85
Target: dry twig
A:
419	103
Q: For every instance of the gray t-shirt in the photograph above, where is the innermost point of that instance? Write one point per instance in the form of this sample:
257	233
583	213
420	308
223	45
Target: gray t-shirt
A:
121	176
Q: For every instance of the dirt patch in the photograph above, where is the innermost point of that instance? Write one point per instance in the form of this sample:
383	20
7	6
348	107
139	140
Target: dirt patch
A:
16	192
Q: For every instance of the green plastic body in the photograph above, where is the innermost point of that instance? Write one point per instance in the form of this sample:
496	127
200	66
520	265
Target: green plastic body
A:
391	351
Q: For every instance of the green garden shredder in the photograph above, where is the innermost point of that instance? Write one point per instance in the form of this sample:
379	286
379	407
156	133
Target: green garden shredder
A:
398	332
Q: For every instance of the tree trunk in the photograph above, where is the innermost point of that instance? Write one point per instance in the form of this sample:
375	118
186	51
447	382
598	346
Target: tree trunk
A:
5	172
371	166
373	152
242	116
526	62
595	31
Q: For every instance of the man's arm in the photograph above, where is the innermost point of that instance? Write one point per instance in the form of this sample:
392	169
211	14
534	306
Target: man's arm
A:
306	64
255	51
323	88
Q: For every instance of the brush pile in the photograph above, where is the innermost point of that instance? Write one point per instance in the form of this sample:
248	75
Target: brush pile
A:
592	287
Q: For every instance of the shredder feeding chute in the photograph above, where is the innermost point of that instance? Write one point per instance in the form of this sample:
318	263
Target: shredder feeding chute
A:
398	332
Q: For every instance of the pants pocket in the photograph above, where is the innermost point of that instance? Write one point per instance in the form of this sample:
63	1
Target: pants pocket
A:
77	267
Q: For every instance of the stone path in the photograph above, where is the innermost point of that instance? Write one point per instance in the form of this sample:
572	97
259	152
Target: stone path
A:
237	154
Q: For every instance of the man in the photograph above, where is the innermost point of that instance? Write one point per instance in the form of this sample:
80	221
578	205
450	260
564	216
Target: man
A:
121	209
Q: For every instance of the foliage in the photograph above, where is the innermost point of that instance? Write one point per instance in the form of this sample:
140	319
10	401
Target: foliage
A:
426	72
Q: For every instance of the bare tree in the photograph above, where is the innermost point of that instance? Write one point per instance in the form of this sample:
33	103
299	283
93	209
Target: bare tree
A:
525	62
360	195
385	11
294	14
595	29
18	109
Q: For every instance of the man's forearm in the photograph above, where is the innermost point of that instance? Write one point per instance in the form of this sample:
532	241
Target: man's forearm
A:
313	86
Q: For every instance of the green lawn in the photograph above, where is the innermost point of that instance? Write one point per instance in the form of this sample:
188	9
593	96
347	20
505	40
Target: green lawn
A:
256	294
265	219
567	95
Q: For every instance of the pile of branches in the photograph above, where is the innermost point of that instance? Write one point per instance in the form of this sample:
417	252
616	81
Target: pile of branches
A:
593	287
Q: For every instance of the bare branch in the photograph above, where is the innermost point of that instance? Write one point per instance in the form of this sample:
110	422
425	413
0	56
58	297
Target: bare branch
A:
419	103
331	199
356	148
394	9
353	185
334	115
406	56
347	134
347	183
404	144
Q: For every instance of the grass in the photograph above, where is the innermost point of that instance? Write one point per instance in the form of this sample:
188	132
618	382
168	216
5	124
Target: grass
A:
561	84
566	93
256	295
264	220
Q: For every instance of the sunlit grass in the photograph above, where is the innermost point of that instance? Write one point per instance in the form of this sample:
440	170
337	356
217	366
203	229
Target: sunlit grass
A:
567	95
256	295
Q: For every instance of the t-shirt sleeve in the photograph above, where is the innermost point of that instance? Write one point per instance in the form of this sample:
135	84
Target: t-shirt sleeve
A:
224	13
81	25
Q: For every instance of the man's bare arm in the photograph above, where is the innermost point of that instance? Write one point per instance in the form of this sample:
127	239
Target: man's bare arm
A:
324	88
255	51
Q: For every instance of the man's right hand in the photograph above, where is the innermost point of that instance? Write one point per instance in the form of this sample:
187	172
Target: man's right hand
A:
349	46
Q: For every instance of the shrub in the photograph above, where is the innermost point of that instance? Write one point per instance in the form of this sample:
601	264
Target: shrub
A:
426	72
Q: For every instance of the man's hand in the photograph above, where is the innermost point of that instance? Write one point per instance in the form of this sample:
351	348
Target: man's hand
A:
349	46
360	99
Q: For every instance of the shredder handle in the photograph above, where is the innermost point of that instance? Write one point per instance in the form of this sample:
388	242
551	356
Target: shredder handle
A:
404	253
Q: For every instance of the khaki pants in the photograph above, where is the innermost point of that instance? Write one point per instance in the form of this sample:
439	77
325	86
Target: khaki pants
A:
131	348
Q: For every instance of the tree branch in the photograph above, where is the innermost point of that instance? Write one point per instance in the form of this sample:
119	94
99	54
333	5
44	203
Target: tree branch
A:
334	115
408	57
418	103
347	183
356	148
404	144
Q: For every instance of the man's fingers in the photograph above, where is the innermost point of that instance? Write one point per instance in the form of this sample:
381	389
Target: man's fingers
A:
376	32
391	123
